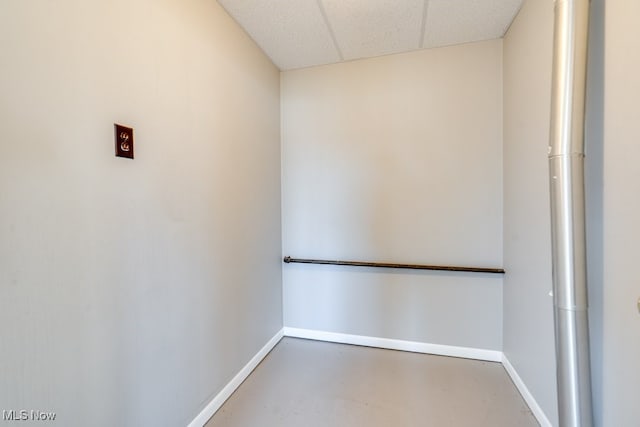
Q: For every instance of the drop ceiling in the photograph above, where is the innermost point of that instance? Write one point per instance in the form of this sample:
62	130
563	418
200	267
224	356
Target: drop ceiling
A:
304	33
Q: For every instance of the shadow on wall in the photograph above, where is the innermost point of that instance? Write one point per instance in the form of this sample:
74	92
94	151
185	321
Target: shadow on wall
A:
594	170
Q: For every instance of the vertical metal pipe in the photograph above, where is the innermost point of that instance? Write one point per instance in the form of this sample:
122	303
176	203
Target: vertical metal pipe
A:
566	169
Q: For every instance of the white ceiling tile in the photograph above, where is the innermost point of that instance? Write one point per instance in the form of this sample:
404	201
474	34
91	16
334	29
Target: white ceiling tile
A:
304	33
461	21
365	28
291	32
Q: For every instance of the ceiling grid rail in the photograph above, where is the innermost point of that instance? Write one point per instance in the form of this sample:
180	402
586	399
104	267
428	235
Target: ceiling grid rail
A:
330	29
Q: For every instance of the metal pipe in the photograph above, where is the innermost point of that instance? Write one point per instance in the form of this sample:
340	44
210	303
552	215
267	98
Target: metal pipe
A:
288	260
566	177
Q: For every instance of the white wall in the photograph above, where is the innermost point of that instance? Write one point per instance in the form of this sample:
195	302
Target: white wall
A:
612	185
621	320
132	291
398	159
528	308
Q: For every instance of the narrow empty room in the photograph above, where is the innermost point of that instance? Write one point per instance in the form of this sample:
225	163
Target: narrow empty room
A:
319	212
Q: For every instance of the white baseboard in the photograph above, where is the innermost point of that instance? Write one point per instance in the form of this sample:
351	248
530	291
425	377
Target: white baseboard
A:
526	394
228	390
438	349
412	346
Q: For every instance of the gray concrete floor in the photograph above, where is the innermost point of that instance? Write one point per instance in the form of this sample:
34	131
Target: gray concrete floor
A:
318	384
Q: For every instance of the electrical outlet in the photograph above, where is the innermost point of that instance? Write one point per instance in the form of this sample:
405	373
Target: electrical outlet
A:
124	141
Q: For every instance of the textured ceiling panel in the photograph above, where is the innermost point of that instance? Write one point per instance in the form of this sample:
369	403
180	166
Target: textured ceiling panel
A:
304	33
461	21
292	33
365	28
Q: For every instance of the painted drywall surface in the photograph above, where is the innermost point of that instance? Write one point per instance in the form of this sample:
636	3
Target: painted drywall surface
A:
528	308
621	319
131	292
396	159
594	186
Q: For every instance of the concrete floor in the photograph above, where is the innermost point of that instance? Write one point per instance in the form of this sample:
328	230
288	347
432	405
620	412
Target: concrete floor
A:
317	384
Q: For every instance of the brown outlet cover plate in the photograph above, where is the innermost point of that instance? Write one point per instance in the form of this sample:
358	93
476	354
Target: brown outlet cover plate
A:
124	141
